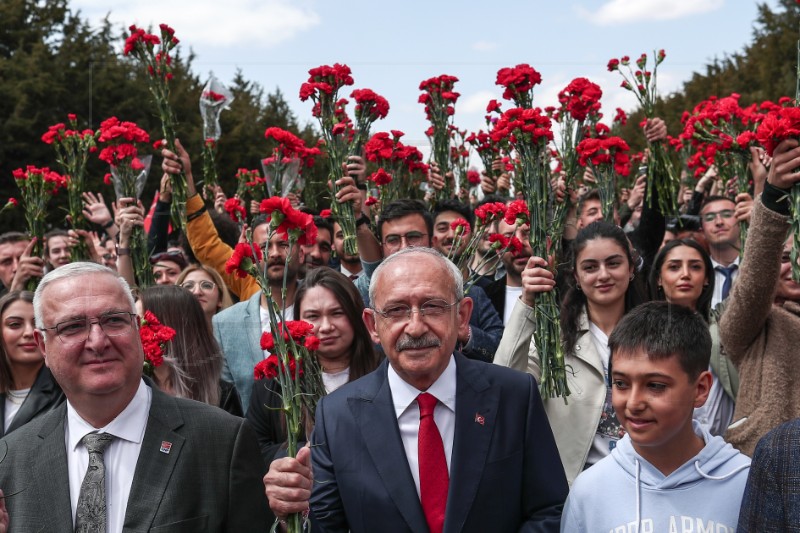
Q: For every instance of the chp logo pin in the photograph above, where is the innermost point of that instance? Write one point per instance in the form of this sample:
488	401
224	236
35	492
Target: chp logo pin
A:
165	447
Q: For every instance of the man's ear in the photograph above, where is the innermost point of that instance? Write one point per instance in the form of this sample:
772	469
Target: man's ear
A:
464	314
38	337
368	315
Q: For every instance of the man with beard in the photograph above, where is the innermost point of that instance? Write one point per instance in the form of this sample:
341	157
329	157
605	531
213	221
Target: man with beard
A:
12	245
238	328
319	253
349	265
505	291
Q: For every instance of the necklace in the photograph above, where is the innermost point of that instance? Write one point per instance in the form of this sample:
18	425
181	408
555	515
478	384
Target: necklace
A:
18	396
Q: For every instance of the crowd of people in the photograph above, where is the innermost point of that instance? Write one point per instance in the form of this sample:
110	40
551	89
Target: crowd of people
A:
677	339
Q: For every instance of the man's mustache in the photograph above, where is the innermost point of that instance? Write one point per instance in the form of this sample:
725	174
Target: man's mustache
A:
407	342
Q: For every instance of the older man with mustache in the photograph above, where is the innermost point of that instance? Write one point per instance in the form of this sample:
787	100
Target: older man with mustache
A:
432	441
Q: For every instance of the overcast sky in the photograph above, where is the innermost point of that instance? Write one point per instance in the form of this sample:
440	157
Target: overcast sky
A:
392	46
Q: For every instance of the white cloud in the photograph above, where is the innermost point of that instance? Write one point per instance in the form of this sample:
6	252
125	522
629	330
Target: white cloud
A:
626	11
484	46
475	103
234	22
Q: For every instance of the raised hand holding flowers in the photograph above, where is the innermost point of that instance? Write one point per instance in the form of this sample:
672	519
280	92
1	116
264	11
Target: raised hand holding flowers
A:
128	174
72	153
36	186
642	83
159	68
322	88
439	100
607	158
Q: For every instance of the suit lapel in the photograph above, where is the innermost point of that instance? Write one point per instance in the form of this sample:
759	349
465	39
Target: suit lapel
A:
252	325
51	464
161	448
476	413
376	418
40	398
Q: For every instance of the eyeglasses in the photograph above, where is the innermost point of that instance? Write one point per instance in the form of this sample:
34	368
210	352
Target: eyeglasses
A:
412	238
205	285
77	330
430	309
712	216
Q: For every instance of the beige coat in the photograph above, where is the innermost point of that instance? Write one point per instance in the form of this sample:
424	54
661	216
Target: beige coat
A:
574	424
762	339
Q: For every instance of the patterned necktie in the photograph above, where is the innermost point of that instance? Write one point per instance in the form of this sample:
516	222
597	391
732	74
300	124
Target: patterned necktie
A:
91	511
434	479
728	273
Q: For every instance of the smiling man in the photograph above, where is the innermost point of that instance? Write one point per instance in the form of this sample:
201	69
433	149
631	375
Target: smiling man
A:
131	451
721	232
441	442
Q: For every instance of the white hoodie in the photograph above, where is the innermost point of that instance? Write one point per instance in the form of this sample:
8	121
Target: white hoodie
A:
623	493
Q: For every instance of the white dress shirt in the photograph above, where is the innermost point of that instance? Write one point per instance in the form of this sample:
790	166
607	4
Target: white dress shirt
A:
719	280
120	457
404	397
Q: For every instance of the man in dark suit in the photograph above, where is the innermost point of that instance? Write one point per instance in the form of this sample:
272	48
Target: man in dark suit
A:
771	500
480	458
166	464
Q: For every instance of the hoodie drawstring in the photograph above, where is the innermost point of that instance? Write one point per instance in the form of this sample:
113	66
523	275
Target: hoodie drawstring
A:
638	498
718	478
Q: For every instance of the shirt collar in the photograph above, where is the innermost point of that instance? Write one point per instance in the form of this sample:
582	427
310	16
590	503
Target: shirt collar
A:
444	388
715	264
128	425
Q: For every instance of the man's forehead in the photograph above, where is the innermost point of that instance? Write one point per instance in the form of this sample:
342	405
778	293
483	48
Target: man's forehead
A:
414	221
447	216
718	204
323	235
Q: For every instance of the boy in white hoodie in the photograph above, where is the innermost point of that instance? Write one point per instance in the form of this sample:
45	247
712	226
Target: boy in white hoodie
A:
666	474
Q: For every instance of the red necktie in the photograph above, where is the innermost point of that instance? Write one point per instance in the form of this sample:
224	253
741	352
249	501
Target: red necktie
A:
433	477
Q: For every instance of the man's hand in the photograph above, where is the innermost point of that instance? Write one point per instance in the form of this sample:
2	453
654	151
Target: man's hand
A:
356	168
29	267
165	190
536	279
435	178
488	183
128	216
95	209
637	193
704	183
348	192
655	129
785	160
744	205
175	163
288	484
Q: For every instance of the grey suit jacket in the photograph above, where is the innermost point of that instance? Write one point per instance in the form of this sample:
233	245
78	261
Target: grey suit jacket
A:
209	481
238	332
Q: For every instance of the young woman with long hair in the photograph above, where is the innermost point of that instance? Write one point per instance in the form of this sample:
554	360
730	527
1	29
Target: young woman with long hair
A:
27	388
192	360
331	303
602	287
683	274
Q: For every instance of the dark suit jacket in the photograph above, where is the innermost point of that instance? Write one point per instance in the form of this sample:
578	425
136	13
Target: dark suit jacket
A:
505	472
45	396
496	291
771	500
209	481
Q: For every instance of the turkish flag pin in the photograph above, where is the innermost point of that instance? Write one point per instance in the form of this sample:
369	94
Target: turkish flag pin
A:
479	418
165	446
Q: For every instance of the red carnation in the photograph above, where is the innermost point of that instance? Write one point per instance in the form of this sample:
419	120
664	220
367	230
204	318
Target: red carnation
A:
243	259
